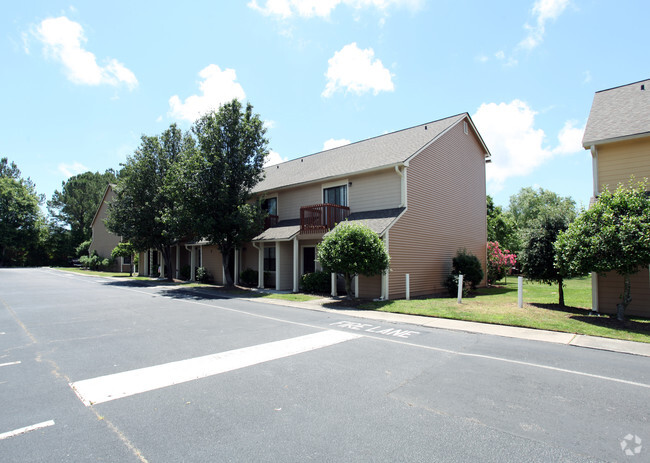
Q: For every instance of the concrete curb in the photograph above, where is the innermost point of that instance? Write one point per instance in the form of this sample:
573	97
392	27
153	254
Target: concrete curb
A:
572	339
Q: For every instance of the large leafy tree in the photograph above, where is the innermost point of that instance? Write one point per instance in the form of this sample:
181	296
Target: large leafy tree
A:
538	253
353	249
142	209
613	235
527	206
501	226
216	184
76	204
21	224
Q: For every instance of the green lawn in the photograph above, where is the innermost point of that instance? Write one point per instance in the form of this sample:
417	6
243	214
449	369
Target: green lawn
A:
498	305
84	271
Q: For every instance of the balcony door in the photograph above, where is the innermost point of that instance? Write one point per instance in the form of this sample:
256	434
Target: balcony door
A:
336	195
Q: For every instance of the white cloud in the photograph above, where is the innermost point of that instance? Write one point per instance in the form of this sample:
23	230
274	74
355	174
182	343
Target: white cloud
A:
217	87
64	41
543	10
285	9
274	158
357	71
332	143
68	170
570	139
517	146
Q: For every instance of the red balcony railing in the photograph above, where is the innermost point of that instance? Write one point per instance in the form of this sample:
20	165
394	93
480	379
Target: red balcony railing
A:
271	221
320	218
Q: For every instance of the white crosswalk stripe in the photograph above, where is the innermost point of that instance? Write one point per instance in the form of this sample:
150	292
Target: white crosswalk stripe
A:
120	385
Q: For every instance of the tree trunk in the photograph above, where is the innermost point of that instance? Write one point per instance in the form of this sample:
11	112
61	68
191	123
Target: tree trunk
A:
348	286
627	297
560	291
167	254
228	283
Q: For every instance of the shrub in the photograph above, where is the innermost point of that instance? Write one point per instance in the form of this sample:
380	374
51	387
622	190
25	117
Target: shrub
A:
202	275
186	272
249	277
451	283
95	262
82	249
469	266
317	282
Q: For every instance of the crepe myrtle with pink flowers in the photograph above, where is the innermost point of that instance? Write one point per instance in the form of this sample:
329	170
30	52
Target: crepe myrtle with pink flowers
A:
499	261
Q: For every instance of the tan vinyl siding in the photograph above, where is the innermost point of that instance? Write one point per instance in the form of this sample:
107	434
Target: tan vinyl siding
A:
286	265
617	161
375	191
212	262
446	212
610	289
249	257
370	287
290	201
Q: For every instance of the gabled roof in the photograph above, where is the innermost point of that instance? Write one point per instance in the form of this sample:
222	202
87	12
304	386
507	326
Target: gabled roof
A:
619	113
367	155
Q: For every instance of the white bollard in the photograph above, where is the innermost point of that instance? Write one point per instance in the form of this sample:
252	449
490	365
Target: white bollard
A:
460	288
408	287
520	292
334	289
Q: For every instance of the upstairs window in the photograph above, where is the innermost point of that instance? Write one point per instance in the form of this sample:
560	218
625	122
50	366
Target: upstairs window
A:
336	195
270	205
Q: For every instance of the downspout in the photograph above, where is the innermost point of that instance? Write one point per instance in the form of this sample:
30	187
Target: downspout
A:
402	174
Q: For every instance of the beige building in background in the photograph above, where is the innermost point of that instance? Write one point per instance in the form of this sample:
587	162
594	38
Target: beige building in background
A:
618	136
104	241
422	189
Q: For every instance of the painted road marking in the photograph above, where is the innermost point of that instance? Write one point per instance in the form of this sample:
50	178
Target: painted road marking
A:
119	385
9	364
372	328
17	432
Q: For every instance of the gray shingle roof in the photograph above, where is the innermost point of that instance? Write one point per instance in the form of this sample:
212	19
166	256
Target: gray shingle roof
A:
384	150
284	230
618	112
377	221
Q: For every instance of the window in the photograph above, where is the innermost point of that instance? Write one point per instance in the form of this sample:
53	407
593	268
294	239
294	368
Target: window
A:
336	195
270	205
269	259
126	260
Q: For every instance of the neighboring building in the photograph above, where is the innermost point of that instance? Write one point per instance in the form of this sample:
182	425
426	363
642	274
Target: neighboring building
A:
421	189
618	135
104	241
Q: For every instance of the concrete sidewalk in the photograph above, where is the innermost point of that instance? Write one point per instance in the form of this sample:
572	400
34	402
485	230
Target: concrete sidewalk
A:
580	340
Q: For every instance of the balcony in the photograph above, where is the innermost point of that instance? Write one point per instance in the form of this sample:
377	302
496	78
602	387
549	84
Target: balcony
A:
321	218
271	221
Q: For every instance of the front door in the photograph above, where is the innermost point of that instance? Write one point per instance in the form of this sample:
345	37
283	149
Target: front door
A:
308	260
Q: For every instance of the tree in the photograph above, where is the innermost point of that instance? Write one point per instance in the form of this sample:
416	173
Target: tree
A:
142	211
76	204
613	235
538	254
527	206
352	249
216	184
21	224
498	261
501	226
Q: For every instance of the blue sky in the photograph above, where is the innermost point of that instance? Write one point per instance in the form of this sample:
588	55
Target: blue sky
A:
82	81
